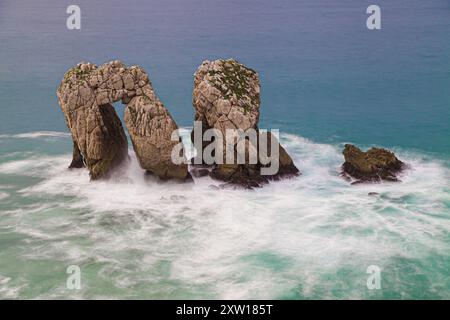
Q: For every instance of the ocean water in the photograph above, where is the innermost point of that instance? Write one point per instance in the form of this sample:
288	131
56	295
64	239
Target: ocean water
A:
326	80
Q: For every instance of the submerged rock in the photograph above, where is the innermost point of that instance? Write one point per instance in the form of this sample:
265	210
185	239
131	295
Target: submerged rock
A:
85	96
374	165
227	96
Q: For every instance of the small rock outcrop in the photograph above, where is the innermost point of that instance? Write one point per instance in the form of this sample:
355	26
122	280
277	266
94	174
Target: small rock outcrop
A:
85	96
374	165
227	96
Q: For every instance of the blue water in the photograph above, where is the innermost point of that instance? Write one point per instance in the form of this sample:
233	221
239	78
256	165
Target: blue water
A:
324	75
326	80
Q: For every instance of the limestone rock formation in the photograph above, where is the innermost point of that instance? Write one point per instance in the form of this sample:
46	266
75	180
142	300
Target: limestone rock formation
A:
374	165
249	175
150	127
287	166
77	158
227	96
85	96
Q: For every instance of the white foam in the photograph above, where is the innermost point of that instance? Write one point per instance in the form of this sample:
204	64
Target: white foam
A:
7	290
37	134
311	225
40	166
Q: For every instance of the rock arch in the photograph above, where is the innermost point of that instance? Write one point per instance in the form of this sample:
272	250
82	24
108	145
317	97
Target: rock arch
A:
99	141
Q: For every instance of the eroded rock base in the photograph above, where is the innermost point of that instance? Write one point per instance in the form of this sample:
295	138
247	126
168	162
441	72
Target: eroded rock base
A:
374	165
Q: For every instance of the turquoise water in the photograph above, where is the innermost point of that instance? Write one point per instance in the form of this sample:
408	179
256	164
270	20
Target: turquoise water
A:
326	80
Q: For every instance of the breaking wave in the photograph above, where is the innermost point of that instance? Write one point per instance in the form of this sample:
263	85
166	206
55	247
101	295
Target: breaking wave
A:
309	237
37	134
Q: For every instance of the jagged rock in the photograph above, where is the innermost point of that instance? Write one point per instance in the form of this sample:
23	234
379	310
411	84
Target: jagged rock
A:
85	96
108	147
374	165
150	127
287	167
227	96
249	176
77	158
205	126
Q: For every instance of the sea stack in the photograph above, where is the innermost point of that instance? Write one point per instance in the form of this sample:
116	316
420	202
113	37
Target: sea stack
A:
86	95
374	165
227	96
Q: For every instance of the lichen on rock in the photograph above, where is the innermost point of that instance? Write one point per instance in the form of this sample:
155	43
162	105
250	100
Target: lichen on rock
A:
226	95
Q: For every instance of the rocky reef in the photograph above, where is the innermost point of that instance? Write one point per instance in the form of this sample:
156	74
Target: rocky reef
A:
227	96
86	95
374	165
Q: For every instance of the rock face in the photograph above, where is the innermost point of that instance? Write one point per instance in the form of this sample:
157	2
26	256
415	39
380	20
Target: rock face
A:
227	96
287	166
372	166
77	158
85	96
150	127
249	175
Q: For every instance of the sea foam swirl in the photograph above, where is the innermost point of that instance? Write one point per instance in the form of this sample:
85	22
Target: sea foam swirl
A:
309	237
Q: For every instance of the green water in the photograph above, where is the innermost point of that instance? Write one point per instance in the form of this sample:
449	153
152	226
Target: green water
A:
309	238
325	80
